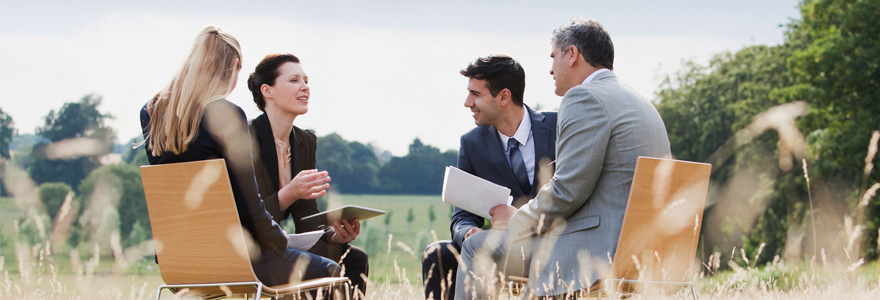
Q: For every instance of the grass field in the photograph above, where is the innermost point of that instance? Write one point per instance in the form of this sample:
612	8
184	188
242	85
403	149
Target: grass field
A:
406	245
395	264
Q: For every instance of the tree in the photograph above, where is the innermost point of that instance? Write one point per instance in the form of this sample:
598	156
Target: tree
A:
135	155
53	194
7	128
431	216
352	165
74	120
704	107
387	220
123	181
419	172
409	219
837	68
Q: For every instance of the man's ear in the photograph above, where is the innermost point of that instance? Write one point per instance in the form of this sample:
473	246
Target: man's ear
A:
573	55
505	97
266	90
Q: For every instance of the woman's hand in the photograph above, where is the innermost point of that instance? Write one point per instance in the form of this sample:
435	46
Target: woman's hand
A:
308	184
346	232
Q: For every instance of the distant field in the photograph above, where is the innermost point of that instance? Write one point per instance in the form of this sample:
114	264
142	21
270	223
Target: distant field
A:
381	260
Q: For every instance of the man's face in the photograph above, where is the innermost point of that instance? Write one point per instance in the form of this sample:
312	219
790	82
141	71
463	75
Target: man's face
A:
483	106
560	71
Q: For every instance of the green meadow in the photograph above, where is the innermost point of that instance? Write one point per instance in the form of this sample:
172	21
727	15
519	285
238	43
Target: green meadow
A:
406	243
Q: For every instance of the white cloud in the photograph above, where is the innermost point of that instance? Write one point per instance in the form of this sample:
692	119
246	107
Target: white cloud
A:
386	86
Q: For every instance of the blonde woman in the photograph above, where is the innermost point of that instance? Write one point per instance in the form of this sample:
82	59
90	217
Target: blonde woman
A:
190	120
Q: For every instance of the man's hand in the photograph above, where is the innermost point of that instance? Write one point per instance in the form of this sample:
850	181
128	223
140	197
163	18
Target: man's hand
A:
471	232
500	215
308	184
346	232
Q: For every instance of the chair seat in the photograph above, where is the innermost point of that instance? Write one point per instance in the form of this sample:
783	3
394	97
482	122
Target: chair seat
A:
304	285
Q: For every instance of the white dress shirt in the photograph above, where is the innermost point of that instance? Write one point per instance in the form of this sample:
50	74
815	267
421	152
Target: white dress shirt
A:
523	135
599	71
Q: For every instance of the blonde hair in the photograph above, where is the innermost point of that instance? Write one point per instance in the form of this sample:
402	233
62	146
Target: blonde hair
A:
206	75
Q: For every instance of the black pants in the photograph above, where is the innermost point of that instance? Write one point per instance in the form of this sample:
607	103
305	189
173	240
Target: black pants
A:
276	268
355	261
438	263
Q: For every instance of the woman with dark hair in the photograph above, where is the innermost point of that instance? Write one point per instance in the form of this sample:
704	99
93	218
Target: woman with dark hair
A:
190	120
287	158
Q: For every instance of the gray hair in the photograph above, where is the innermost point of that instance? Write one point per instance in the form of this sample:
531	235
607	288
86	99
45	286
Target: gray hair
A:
591	40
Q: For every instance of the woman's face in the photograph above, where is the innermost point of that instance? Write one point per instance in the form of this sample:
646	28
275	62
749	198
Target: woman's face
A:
290	94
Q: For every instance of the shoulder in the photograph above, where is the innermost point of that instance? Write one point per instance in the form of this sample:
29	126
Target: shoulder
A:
549	116
223	107
260	123
304	133
476	135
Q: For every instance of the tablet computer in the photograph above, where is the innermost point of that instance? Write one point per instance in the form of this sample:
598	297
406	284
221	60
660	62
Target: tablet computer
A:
348	212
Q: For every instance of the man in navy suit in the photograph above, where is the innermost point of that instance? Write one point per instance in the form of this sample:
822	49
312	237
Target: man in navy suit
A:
510	147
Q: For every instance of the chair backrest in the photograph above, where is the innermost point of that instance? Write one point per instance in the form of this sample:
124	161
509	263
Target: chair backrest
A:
661	226
198	236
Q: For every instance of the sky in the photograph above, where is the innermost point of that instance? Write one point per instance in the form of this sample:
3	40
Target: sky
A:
380	72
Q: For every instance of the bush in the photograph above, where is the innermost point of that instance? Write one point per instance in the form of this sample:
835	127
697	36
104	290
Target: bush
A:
53	194
124	181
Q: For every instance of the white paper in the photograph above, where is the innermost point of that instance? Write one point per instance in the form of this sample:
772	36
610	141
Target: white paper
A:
304	241
472	193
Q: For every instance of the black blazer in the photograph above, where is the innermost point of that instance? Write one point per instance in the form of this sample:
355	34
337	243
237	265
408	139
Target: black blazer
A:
482	154
223	134
304	146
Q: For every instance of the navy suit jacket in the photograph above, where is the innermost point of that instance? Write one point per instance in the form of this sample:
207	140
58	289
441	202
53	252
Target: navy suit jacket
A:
482	154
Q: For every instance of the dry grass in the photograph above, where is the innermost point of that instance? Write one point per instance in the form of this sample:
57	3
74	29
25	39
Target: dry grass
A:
32	267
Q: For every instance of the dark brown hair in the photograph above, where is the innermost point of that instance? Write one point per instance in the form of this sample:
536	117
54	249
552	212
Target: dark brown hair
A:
266	73
500	72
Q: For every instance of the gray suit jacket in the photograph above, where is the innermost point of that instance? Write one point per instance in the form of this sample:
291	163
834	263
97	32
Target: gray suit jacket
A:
603	127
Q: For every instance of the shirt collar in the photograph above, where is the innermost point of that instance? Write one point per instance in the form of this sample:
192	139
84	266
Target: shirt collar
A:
522	132
592	76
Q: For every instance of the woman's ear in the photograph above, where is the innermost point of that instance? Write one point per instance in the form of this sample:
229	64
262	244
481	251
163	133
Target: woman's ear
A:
266	90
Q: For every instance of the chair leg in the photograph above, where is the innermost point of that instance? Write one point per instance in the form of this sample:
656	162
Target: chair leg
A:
159	292
694	291
259	294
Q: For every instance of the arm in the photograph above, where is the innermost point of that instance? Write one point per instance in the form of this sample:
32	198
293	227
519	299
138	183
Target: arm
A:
584	131
462	220
306	207
227	124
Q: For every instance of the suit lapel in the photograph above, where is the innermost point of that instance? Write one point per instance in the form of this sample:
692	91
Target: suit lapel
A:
541	136
267	148
496	154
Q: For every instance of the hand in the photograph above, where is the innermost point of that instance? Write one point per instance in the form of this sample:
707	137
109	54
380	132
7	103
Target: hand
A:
308	184
346	232
500	215
471	232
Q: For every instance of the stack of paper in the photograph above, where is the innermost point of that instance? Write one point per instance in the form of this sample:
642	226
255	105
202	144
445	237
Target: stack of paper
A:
304	241
472	193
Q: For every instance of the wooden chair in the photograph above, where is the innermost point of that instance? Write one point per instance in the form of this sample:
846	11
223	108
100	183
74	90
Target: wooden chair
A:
199	240
661	227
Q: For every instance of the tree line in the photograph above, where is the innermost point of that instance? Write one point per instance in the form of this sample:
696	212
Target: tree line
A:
64	158
788	130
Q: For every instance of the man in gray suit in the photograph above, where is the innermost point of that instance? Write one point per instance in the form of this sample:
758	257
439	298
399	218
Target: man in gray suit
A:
569	231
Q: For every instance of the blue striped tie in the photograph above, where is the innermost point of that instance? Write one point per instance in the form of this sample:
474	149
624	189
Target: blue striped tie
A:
519	166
